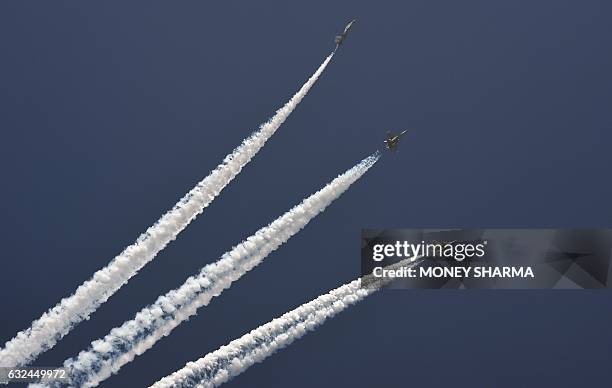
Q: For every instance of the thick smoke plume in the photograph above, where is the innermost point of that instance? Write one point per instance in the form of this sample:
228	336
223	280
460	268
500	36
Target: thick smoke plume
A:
54	324
107	355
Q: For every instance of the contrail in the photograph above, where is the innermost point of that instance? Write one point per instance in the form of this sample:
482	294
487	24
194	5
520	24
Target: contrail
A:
234	358
54	324
106	356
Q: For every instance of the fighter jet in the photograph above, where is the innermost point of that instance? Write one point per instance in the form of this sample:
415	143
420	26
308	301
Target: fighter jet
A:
393	140
340	38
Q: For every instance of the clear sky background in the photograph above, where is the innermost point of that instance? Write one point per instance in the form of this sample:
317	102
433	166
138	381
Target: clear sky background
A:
111	111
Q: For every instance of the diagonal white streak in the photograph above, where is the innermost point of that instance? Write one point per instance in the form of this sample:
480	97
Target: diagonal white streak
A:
107	355
54	324
234	358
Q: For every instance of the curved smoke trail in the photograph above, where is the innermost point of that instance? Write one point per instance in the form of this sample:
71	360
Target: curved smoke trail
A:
234	358
107	355
54	324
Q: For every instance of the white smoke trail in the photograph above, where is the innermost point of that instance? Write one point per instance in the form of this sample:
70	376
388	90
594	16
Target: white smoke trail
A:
54	324
122	344
234	358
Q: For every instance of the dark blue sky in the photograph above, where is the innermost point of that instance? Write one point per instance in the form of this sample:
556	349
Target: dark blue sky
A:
111	111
